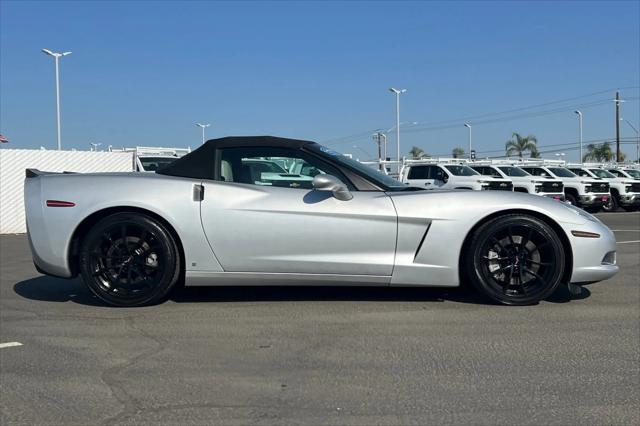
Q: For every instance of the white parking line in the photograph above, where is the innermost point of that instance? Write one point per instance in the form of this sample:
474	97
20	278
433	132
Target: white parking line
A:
628	242
9	344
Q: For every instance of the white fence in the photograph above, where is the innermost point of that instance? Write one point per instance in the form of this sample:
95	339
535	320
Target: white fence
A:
13	163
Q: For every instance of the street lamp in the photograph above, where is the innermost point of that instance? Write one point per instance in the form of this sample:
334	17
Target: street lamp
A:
468	126
57	57
637	136
579	113
203	126
398	92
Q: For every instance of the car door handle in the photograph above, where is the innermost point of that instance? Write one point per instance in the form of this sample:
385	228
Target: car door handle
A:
427	183
198	192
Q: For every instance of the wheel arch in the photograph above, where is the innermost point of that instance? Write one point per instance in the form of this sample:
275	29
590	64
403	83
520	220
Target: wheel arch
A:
95	217
571	191
566	245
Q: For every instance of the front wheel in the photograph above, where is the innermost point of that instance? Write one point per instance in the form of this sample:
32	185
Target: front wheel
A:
571	199
611	205
515	259
129	259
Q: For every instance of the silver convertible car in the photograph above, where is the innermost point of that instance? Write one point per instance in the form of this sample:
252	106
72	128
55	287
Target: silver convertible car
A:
274	211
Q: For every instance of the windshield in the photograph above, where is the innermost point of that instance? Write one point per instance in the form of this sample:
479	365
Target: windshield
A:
379	178
634	173
602	173
562	172
461	170
151	164
513	171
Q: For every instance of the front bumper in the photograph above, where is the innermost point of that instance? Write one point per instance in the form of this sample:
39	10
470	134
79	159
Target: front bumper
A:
555	196
594	199
629	199
593	258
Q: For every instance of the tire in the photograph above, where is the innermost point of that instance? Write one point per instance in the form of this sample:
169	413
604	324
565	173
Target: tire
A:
631	208
515	259
129	259
611	205
571	199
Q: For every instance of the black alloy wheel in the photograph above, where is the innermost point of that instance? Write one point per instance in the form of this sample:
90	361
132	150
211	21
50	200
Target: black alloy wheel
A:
129	259
516	259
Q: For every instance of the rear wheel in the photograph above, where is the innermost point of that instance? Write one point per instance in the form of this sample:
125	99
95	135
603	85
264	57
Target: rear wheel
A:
515	260
129	259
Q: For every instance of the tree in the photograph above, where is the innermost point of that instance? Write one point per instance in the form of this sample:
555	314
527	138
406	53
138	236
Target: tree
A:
598	152
519	145
417	153
457	152
534	153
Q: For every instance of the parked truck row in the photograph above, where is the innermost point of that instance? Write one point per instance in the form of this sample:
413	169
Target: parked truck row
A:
587	185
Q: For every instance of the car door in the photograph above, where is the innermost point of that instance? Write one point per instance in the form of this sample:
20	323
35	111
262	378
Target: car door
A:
419	176
276	222
439	176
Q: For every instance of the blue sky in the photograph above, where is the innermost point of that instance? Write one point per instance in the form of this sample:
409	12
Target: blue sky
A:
142	73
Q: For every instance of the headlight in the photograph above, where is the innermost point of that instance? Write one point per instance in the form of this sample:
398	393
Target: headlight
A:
538	188
627	188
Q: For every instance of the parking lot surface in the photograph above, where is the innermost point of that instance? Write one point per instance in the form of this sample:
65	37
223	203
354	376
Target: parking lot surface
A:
319	355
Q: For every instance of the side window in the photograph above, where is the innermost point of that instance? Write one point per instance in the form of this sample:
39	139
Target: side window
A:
438	173
533	170
283	167
481	170
419	172
580	172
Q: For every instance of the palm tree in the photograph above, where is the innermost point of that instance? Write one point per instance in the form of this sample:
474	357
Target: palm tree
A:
598	152
457	152
520	144
417	153
534	153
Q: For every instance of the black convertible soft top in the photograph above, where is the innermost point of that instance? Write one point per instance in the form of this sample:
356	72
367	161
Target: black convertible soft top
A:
199	164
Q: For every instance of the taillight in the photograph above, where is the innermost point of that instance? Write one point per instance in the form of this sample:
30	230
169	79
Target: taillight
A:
58	203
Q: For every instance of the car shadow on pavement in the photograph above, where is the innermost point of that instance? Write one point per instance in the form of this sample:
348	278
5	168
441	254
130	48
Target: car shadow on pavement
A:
50	289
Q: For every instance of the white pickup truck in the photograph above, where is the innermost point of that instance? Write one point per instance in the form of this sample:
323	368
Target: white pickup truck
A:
523	181
588	193
434	175
625	192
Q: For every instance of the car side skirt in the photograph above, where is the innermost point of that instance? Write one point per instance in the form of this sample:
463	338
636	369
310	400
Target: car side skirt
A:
204	278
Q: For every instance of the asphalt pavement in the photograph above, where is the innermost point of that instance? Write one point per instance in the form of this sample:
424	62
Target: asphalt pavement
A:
290	355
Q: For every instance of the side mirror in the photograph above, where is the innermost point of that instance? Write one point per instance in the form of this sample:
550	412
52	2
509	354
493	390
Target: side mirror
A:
331	183
445	178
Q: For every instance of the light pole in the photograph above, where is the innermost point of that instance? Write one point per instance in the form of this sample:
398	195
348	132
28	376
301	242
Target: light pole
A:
398	92
57	57
579	113
203	126
637	137
468	126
